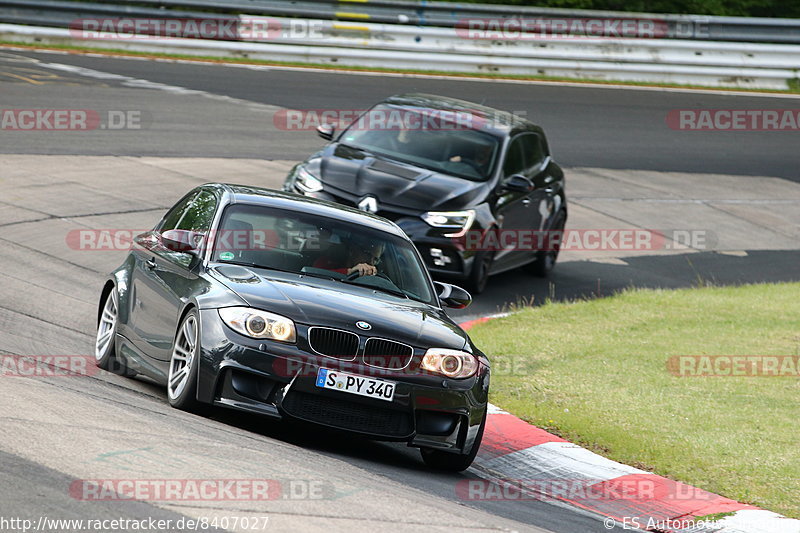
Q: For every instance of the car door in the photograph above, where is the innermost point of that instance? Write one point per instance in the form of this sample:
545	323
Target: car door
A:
539	205
516	211
162	277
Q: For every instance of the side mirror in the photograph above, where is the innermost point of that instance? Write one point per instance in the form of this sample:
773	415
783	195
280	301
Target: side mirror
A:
453	296
179	240
147	239
518	183
326	131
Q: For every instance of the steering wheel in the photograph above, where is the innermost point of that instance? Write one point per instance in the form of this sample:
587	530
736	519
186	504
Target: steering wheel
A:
477	167
355	274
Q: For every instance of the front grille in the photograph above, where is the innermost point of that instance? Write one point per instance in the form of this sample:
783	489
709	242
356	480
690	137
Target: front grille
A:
387	354
391	215
333	342
344	414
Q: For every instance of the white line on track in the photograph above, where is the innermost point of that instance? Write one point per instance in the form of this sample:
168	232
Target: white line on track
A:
460	77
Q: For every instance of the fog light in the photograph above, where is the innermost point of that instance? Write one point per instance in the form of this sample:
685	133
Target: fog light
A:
439	258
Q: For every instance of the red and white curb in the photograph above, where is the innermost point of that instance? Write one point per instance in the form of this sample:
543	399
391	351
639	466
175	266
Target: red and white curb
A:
528	463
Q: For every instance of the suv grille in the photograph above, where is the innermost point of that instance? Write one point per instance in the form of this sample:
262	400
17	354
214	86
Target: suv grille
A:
387	354
344	414
333	342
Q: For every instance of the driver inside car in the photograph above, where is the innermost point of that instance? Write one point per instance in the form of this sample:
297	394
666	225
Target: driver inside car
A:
479	158
363	256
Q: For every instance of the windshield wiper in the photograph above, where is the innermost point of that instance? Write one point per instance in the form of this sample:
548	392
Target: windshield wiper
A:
396	292
318	275
256	265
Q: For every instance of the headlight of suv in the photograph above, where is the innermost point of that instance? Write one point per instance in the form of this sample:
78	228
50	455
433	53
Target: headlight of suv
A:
451	363
258	324
306	181
456	221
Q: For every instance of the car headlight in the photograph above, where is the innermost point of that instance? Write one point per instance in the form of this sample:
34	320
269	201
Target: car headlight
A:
451	363
456	221
258	324
306	181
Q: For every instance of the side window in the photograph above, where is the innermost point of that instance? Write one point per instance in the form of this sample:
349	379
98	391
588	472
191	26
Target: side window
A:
199	213
534	151
515	159
171	219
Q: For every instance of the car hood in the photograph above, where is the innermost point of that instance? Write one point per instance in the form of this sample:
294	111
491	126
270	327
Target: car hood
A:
319	302
394	183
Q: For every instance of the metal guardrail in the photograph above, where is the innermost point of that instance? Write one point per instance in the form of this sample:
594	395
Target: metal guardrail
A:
441	14
407	46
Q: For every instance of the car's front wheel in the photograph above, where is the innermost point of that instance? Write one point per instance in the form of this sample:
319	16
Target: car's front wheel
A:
546	259
105	351
454	462
182	378
479	275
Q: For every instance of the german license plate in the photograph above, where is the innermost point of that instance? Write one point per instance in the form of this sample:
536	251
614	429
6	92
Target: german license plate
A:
353	384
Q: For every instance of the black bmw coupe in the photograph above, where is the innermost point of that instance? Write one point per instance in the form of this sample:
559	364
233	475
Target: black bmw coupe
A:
292	307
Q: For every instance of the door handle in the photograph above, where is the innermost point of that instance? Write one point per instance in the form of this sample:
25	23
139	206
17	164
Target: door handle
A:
526	202
150	264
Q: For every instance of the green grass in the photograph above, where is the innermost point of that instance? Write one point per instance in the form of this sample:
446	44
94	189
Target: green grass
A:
595	372
794	85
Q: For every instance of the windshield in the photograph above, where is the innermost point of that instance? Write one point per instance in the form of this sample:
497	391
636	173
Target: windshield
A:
303	243
443	141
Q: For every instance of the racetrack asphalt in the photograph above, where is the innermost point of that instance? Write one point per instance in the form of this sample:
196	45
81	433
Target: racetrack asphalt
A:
586	126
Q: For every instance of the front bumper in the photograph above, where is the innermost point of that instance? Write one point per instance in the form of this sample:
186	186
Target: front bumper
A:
279	380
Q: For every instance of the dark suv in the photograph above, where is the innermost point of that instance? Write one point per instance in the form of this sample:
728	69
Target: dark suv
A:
474	187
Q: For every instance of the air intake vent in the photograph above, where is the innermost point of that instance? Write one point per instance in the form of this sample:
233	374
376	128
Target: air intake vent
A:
395	170
333	343
344	414
384	353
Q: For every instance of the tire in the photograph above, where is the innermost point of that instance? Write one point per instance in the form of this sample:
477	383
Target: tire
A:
105	344
183	365
546	259
479	275
453	462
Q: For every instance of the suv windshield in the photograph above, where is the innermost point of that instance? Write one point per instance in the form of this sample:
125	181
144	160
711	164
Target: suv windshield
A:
303	243
443	141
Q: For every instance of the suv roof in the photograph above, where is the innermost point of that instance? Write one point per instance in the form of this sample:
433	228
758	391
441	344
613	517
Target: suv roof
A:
497	121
